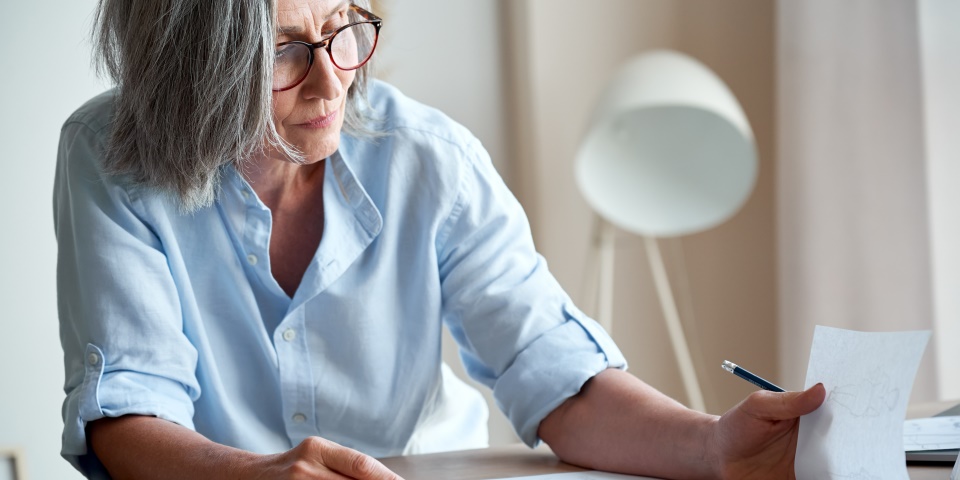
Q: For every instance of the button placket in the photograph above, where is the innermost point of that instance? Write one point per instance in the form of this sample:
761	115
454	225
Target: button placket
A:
296	376
256	238
255	234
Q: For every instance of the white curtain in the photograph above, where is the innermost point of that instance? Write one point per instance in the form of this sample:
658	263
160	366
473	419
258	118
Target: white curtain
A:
940	47
856	216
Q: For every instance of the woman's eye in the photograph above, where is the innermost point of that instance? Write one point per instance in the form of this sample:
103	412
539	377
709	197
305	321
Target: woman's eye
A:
284	54
332	27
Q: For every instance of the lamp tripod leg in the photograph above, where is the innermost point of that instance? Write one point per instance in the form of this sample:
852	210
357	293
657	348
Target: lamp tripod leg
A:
599	281
674	328
605	284
591	281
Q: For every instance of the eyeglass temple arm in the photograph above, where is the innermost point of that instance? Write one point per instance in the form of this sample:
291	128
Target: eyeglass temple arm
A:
366	14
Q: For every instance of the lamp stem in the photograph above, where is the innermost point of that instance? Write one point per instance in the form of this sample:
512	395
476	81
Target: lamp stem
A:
674	328
599	278
607	237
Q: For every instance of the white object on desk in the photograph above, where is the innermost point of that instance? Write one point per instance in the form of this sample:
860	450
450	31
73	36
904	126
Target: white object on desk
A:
933	433
858	431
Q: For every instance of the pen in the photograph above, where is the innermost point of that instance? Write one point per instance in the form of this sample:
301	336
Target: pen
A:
746	375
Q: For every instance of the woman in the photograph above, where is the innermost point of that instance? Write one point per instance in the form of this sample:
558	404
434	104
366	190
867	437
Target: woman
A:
258	247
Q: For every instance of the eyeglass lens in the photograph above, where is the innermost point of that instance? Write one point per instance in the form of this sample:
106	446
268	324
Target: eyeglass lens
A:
350	48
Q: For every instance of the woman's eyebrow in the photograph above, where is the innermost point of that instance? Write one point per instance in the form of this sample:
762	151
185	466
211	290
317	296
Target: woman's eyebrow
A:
293	29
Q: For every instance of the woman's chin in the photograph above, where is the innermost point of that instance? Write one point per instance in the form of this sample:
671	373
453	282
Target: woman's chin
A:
310	154
315	155
316	149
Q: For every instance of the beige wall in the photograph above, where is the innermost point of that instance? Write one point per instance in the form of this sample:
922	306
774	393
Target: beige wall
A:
560	55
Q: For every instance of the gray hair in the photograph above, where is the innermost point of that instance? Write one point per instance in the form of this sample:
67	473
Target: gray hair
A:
194	91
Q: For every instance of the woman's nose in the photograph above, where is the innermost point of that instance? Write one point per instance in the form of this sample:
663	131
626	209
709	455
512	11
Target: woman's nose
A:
322	81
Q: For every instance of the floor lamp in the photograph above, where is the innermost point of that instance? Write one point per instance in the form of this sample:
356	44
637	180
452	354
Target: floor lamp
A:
669	153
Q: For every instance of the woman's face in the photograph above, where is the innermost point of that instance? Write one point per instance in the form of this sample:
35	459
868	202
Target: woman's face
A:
310	115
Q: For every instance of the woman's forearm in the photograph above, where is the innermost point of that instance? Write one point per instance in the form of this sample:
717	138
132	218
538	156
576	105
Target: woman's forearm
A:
618	423
141	447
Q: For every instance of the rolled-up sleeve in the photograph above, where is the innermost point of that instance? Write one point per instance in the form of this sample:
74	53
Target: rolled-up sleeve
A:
518	331
121	326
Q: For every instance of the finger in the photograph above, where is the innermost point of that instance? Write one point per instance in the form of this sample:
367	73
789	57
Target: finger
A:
812	398
784	406
354	464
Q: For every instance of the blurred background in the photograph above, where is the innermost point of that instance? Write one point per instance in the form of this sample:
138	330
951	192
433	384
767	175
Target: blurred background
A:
852	223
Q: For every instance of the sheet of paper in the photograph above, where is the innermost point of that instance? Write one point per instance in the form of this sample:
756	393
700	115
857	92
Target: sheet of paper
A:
858	431
933	433
592	475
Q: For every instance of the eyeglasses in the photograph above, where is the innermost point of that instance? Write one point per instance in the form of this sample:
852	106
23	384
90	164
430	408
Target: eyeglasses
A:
349	48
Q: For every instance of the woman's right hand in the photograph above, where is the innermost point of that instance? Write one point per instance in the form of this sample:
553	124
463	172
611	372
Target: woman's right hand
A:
316	458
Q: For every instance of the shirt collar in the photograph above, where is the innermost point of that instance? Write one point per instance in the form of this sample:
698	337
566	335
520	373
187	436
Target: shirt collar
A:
351	221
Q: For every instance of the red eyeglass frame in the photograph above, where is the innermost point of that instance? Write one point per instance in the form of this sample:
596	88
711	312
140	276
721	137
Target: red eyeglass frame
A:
372	19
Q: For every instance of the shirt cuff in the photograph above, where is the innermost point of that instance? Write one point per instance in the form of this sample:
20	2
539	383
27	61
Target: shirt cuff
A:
552	369
114	394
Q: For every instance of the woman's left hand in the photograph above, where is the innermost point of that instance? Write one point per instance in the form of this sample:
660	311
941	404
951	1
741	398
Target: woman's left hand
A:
758	438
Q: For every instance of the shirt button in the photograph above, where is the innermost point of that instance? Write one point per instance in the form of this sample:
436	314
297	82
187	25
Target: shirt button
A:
252	259
246	194
289	334
93	358
299	418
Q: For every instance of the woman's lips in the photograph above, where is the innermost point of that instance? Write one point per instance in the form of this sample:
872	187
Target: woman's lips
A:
321	121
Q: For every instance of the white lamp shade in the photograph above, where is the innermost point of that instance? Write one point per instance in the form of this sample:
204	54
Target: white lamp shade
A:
669	151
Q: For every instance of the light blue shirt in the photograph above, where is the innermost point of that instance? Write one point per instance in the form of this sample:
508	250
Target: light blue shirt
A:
178	315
